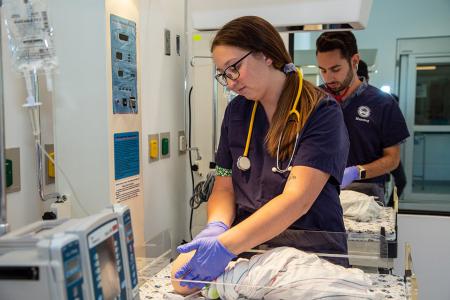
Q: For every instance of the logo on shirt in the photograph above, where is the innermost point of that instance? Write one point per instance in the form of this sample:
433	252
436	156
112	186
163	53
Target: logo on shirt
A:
363	111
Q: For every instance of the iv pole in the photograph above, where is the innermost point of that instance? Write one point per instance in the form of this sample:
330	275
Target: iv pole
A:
4	226
39	156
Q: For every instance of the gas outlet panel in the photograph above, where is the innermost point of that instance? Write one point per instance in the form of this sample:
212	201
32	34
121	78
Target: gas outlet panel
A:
12	161
153	147
164	141
123	62
49	166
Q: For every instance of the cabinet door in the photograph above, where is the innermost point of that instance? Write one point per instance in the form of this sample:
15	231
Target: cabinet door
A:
425	101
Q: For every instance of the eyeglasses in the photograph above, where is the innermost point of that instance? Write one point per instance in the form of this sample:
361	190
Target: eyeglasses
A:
230	72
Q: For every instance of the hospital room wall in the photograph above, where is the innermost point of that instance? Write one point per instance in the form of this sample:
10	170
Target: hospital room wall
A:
24	206
162	105
390	20
202	83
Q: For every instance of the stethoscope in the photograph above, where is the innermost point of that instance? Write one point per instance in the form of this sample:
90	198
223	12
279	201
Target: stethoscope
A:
243	162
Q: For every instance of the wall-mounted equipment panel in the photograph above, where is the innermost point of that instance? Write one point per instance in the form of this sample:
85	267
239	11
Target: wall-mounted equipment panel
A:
12	156
123	62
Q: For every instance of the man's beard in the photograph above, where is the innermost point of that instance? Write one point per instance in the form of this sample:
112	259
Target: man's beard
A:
342	86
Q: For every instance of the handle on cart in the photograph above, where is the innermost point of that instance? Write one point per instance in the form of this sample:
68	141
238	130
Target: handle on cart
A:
395	200
410	277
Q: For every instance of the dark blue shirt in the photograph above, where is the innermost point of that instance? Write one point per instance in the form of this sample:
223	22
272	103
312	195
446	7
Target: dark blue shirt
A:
374	122
323	145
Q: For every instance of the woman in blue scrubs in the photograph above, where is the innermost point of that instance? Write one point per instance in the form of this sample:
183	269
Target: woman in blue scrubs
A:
282	151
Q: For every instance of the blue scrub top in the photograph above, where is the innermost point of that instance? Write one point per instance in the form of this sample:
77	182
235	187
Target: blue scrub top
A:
323	145
374	122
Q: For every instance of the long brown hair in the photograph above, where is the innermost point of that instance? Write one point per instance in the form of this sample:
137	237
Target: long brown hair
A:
256	34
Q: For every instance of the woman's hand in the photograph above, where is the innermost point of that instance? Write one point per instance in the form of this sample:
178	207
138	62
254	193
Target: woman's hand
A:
209	262
212	229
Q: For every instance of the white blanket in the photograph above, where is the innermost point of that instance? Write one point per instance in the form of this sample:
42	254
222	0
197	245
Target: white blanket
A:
288	273
358	206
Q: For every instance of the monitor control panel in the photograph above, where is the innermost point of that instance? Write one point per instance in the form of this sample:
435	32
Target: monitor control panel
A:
73	273
129	239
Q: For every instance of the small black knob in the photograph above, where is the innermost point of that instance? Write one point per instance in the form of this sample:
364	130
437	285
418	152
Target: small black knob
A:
49	215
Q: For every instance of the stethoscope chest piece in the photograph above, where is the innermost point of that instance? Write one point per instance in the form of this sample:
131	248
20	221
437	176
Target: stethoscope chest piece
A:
243	163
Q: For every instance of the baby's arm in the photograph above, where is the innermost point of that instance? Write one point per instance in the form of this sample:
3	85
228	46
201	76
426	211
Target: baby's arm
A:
179	262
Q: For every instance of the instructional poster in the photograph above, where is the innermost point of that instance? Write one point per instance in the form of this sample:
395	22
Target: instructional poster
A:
126	165
127	188
126	154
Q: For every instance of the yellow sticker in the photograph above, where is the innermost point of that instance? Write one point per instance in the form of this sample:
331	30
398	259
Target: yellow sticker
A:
197	37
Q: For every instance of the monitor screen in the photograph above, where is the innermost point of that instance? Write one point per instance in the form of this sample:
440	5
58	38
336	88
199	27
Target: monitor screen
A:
108	270
105	257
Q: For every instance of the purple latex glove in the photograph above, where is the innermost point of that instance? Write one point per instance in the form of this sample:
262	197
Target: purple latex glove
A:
208	262
350	174
212	229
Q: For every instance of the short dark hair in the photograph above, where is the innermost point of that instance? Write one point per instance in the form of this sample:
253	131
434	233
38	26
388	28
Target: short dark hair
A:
345	41
362	70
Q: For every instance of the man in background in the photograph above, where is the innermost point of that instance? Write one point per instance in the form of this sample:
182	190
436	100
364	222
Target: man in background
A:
399	172
375	124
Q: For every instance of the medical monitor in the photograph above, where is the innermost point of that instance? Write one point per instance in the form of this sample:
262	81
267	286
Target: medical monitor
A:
101	254
105	256
50	268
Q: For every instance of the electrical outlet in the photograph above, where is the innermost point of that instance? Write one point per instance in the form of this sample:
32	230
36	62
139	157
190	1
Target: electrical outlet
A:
178	44
167	42
182	143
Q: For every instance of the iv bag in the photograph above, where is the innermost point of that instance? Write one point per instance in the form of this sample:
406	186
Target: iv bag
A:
30	36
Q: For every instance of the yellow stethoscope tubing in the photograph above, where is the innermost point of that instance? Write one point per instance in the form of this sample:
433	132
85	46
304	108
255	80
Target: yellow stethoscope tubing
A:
297	98
250	129
292	111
